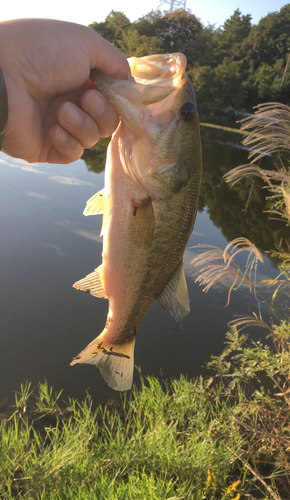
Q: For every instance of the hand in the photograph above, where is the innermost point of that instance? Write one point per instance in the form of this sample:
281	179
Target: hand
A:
54	110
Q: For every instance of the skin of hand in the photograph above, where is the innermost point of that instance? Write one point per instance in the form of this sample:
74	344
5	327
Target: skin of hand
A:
54	109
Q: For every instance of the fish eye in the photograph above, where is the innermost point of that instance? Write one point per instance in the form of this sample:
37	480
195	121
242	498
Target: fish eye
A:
187	111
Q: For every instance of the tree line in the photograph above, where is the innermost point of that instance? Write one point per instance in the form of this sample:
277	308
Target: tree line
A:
233	67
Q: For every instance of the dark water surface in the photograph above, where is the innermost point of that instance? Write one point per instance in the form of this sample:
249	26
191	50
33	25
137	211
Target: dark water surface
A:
47	244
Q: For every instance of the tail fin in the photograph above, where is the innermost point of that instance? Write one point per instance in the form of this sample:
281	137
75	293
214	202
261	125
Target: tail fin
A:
116	362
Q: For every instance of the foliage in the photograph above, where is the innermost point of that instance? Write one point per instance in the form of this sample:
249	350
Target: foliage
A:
179	31
134	44
257	376
269	41
232	66
188	440
113	27
230	37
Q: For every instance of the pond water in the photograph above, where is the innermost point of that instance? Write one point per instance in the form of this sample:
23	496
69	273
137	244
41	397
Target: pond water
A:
47	245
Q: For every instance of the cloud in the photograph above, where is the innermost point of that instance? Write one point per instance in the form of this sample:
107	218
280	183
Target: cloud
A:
38	195
72	181
22	164
57	250
196	233
30	168
90	235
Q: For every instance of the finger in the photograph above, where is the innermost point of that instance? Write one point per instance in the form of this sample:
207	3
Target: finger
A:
78	124
101	111
65	148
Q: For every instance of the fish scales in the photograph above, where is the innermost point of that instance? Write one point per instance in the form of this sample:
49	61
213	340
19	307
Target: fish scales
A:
149	203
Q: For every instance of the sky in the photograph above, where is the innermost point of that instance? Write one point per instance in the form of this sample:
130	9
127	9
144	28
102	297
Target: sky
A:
209	11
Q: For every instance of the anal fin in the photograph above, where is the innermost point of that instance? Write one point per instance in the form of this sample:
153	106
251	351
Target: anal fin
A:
92	283
115	362
174	298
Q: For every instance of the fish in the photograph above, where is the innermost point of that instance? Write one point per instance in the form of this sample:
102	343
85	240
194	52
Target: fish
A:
149	203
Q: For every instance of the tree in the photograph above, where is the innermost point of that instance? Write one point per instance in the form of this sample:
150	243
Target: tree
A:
113	27
234	66
149	24
221	87
134	44
178	30
270	39
268	83
236	28
229	39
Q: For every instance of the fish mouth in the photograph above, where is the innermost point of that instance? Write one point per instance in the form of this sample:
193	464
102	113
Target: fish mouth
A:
153	79
165	68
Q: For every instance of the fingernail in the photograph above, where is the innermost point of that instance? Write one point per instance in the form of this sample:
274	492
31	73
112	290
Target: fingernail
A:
61	135
95	103
70	114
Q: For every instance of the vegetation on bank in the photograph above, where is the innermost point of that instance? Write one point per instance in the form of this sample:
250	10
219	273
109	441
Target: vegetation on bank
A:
234	66
223	438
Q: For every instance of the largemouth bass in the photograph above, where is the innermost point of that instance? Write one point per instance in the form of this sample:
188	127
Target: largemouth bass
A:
149	202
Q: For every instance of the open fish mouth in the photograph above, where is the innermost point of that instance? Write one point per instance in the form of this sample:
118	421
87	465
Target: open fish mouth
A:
156	68
152	79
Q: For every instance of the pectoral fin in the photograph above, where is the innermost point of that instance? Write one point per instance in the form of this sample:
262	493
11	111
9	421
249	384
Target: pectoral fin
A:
142	223
96	204
93	283
174	297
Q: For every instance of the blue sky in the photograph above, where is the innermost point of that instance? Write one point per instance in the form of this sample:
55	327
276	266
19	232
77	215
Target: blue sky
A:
209	11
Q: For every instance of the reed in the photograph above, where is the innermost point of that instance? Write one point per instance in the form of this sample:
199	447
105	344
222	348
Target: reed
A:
270	134
271	124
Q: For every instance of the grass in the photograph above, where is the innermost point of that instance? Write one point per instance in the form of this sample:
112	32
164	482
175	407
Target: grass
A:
158	444
183	439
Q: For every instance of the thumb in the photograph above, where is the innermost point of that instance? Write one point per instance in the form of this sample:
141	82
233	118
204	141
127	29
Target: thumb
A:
105	57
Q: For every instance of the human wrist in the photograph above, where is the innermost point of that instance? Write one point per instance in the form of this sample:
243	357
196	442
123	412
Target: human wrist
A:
3	107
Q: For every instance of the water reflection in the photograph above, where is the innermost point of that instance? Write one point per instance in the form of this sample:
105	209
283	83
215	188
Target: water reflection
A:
95	158
237	210
47	245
